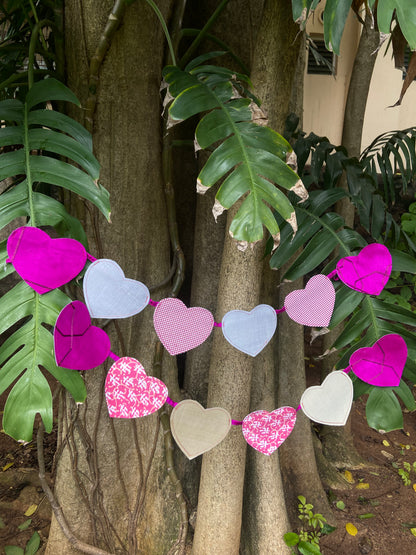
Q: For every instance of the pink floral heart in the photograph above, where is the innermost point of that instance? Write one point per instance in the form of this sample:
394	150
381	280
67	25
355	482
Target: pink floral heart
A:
382	364
78	344
130	393
312	306
369	271
179	328
266	431
42	262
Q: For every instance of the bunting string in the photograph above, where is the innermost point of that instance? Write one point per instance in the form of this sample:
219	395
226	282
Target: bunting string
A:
45	264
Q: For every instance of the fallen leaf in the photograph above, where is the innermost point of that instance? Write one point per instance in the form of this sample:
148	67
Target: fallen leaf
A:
387	455
348	476
340	505
413	530
414	487
25	524
366	515
363	485
386	443
351	529
31	510
8	465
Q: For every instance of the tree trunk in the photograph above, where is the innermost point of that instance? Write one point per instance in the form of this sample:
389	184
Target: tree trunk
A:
112	480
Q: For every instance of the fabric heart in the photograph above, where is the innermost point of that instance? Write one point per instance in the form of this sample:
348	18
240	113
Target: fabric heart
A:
197	430
250	332
78	344
382	364
329	403
266	431
109	294
42	262
179	328
312	306
130	393
369	271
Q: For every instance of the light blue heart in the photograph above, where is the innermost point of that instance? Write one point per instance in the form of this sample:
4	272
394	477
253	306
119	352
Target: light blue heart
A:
250	332
109	294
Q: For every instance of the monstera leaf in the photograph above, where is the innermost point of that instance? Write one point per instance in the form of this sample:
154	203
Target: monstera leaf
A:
33	144
366	319
250	158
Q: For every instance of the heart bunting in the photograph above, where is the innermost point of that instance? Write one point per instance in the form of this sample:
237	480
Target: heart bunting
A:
369	271
382	364
329	403
42	262
312	306
266	431
109	294
197	430
179	328
130	392
250	332
78	344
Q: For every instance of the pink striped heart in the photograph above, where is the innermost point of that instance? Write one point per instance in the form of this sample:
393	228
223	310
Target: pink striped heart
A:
179	328
382	364
266	431
42	262
130	393
312	306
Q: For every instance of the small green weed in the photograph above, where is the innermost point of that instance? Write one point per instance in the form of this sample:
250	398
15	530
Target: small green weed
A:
404	472
314	525
31	547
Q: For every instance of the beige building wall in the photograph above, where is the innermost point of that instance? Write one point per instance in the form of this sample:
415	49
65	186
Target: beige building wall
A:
325	96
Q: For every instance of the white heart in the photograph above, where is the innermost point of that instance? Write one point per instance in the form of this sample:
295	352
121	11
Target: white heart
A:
109	294
329	403
197	430
250	332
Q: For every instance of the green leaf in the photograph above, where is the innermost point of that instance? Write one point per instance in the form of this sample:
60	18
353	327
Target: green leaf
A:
403	262
47	90
291	539
13	204
55	172
25	525
63	123
11	110
346	301
335	16
307	548
406	16
13	550
383	410
406	395
31	395
12	163
52	141
33	544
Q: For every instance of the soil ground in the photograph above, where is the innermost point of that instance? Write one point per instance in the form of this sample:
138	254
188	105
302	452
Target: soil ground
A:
377	502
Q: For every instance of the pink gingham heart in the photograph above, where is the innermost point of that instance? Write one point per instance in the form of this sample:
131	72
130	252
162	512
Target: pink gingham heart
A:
382	364
179	328
266	431
130	393
369	271
42	262
312	306
78	344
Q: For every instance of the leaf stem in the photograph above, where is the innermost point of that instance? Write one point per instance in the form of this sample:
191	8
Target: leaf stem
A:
201	35
32	217
33	38
165	29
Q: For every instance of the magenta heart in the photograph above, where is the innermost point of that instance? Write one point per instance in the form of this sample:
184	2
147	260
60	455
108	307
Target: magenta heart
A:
78	344
312	306
42	262
383	363
180	328
369	271
130	393
266	431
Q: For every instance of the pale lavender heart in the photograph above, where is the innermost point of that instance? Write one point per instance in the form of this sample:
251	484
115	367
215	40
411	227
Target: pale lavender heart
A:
369	271
250	332
42	262
312	306
78	344
109	294
382	364
180	328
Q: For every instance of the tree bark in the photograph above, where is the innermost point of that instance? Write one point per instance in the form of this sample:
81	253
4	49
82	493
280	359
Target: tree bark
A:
112	481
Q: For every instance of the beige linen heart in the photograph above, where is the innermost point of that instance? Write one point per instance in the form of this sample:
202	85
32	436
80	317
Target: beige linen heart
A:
197	430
